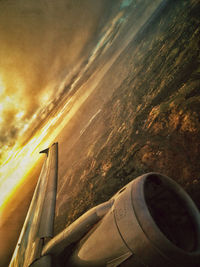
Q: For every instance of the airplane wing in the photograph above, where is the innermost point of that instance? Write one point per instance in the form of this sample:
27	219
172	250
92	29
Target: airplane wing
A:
38	226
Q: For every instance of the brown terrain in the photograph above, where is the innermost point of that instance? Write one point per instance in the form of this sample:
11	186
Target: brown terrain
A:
150	123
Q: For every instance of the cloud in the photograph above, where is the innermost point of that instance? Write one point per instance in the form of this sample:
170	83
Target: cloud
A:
40	41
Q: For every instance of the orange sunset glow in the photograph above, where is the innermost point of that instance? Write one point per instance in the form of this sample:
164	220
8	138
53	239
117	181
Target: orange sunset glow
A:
12	172
32	69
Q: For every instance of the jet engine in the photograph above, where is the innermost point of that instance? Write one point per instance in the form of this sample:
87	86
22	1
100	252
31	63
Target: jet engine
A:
150	222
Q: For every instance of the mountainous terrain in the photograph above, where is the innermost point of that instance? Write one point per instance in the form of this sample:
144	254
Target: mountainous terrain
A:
151	121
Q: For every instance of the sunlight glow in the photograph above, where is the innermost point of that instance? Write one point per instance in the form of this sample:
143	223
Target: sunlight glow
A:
21	160
2	87
20	115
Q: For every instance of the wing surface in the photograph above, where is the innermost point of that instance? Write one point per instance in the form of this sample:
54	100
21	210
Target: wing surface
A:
38	225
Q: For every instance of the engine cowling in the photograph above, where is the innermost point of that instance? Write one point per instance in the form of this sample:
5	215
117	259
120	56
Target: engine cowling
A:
152	222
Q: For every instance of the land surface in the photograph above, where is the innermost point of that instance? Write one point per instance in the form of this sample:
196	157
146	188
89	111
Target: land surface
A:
151	121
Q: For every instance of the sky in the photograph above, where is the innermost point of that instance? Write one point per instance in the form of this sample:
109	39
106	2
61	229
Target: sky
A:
42	43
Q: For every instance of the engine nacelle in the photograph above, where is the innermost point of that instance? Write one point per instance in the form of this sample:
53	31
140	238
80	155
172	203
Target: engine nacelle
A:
152	222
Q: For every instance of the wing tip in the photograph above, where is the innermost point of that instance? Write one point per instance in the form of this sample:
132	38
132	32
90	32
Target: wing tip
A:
46	151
